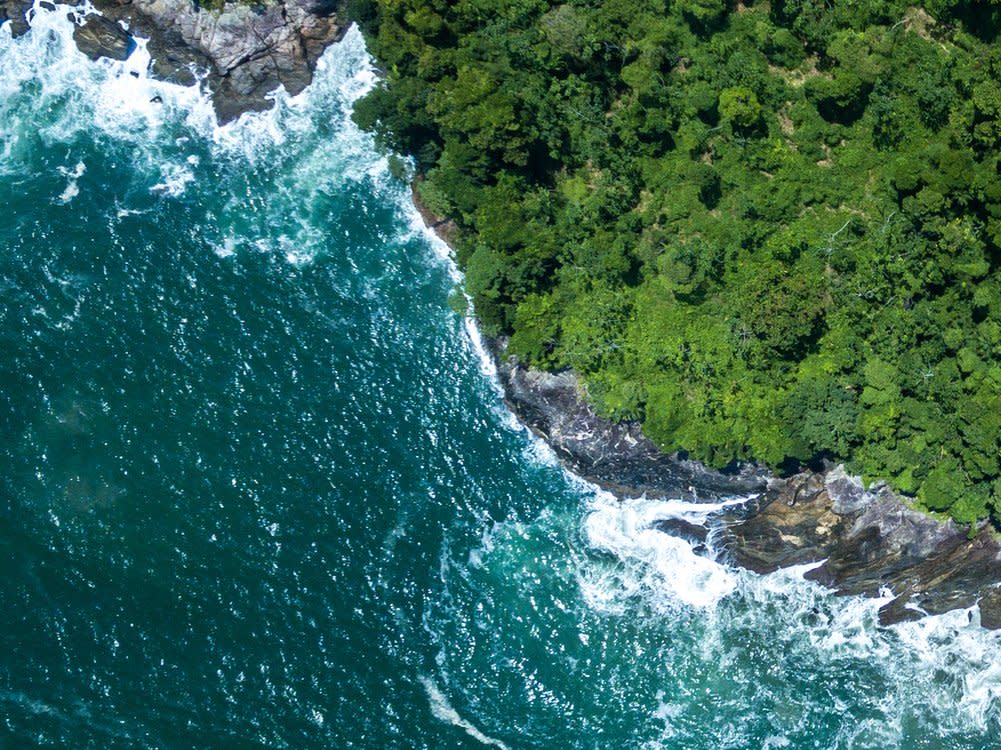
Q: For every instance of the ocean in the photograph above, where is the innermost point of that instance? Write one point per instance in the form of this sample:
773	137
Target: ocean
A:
260	490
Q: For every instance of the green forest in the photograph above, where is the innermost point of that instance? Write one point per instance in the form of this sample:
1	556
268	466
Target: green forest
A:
768	231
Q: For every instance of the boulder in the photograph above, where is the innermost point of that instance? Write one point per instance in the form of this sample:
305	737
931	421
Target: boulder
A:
14	11
846	492
99	36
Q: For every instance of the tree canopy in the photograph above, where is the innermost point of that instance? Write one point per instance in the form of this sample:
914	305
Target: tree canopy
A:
766	231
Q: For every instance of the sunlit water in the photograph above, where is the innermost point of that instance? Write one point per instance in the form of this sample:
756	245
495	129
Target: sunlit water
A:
259	488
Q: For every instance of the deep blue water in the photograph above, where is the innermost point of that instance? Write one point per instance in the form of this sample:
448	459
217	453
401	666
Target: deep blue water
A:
259	488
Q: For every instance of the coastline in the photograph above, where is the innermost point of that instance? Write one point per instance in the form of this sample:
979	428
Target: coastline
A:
861	540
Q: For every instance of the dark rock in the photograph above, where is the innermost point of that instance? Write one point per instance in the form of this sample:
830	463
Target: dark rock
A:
691	532
899	610
782	532
990	608
173	61
15	11
617	457
882	545
99	36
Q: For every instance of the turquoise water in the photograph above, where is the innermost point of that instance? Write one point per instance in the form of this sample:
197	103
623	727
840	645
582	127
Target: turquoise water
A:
259	488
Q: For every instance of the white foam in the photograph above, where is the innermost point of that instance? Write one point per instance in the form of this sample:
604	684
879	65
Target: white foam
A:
174	179
954	644
227	249
662	569
442	710
72	189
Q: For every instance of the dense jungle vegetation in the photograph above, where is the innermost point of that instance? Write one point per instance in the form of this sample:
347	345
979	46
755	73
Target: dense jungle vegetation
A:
767	231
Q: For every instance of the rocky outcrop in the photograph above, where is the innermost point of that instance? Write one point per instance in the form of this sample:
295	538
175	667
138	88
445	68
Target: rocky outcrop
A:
617	457
864	540
15	11
97	36
248	51
243	52
869	542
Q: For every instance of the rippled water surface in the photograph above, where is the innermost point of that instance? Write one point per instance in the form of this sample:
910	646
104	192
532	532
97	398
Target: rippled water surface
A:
259	489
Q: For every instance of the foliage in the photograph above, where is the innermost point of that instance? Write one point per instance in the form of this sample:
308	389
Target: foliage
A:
766	231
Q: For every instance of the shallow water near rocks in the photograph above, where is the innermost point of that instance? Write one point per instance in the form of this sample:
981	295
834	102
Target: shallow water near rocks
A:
259	489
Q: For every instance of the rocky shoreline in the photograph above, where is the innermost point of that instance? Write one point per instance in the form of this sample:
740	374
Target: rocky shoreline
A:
242	52
863	541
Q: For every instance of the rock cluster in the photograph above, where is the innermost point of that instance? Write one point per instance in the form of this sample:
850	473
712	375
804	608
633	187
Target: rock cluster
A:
868	542
98	36
243	51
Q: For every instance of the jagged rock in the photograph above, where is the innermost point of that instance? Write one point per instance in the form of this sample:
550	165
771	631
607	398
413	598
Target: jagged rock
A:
14	11
795	525
98	37
243	52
